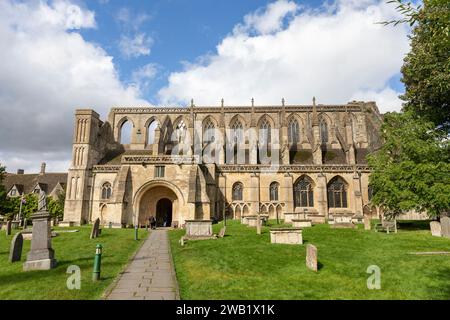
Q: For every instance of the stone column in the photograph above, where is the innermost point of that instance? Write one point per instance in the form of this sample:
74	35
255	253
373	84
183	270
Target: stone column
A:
222	194
41	256
254	193
358	203
288	193
322	201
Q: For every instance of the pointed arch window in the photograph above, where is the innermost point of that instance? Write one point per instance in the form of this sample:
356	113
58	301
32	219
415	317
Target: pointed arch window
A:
237	132
265	132
323	131
337	193
273	189
293	131
106	191
181	131
303	193
208	131
237	193
151	132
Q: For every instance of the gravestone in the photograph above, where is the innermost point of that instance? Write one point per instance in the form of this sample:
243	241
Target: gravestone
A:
25	222
258	224
367	223
435	228
41	255
445	227
182	241
15	252
95	228
8	228
222	232
311	257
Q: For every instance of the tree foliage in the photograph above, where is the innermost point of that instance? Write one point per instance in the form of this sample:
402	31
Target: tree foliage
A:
412	168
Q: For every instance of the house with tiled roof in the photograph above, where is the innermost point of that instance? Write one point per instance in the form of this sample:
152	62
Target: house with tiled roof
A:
20	183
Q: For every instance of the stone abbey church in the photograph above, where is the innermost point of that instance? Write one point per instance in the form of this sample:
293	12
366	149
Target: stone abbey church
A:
317	163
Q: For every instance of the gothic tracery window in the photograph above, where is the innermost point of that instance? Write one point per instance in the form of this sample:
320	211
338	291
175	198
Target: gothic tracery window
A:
303	193
293	131
323	131
337	193
274	191
208	131
237	132
264	132
106	191
237	192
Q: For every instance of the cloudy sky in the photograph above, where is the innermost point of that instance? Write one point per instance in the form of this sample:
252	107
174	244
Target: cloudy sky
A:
60	55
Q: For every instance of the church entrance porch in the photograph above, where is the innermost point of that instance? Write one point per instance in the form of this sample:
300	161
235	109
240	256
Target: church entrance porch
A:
159	201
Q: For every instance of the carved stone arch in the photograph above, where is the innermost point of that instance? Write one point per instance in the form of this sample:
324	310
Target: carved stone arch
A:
240	118
337	192
326	122
212	119
147	125
119	125
266	120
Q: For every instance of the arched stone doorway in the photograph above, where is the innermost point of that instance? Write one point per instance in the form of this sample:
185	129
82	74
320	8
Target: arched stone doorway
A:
164	213
159	201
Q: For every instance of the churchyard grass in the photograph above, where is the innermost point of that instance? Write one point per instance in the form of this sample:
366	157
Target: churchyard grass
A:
244	265
70	249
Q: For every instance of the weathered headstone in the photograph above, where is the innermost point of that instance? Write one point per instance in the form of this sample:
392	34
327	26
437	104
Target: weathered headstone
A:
95	227
182	241
445	227
15	252
435	228
258	224
8	227
311	257
367	223
222	232
41	255
25	222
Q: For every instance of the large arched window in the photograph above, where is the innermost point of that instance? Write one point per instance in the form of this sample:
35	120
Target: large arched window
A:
208	131
125	132
264	132
106	191
237	132
293	131
238	189
180	131
273	189
151	132
337	193
303	193
323	131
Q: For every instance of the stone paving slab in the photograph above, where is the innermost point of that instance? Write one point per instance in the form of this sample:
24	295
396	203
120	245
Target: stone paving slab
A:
151	274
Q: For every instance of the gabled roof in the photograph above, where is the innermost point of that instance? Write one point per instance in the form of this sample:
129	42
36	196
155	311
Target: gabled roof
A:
28	182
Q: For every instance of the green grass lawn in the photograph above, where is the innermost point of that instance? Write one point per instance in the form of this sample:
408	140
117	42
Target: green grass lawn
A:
243	265
70	249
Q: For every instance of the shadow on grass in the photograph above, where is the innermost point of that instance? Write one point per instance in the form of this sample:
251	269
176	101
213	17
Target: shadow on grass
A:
440	291
414	225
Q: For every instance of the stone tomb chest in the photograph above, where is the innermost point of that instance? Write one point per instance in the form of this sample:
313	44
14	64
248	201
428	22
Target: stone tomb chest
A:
286	235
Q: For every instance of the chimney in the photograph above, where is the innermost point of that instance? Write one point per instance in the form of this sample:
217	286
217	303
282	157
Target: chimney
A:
43	168
20	171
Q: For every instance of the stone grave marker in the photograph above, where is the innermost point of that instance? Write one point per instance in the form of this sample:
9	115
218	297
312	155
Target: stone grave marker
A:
367	225
95	228
258	224
8	228
15	252
445	227
435	228
311	257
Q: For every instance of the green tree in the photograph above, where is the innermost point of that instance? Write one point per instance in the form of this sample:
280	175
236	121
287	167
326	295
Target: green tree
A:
3	198
412	168
56	206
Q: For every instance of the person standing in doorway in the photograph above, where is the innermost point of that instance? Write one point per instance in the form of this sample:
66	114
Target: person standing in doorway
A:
152	222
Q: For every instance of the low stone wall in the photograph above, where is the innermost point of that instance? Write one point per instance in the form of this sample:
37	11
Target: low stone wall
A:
301	223
198	228
286	236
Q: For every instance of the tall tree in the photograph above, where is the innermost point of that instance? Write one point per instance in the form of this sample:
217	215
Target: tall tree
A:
412	168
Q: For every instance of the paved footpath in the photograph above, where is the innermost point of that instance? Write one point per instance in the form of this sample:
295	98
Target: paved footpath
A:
150	275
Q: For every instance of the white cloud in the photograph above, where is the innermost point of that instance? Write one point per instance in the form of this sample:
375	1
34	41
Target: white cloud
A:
143	76
338	53
132	47
47	71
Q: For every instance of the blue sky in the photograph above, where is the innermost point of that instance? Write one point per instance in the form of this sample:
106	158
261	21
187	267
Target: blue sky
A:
182	30
59	55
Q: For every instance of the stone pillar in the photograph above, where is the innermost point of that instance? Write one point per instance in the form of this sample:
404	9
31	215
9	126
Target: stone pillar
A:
358	203
322	201
41	256
222	194
254	193
253	146
155	147
288	193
